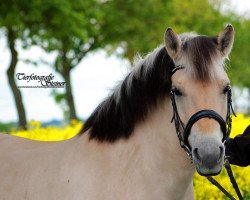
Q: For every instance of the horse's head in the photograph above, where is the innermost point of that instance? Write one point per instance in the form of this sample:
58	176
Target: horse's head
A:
202	84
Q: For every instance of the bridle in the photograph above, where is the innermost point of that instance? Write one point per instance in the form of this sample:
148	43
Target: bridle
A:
179	125
183	132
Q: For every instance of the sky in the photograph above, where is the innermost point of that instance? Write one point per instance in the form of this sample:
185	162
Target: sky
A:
241	7
92	80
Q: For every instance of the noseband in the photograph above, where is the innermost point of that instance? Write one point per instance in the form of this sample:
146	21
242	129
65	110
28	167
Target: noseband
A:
183	132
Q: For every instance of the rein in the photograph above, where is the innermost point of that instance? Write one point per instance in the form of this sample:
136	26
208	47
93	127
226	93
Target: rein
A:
183	133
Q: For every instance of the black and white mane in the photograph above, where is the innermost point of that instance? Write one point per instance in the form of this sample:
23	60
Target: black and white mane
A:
143	87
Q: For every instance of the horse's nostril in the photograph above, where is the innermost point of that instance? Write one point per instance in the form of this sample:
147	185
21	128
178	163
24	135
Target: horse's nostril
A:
221	149
196	154
221	154
208	157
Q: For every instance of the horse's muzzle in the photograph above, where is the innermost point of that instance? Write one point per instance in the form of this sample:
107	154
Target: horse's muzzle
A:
208	155
208	152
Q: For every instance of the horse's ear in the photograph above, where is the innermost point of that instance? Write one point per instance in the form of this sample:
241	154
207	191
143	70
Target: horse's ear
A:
172	43
225	40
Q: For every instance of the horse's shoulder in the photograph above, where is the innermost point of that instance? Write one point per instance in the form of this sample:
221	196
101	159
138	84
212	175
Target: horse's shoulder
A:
9	142
11	138
4	136
13	143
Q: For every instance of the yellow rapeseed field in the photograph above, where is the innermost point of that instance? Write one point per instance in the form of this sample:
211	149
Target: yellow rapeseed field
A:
49	133
203	189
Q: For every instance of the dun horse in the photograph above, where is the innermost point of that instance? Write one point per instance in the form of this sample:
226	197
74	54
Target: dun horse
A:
128	148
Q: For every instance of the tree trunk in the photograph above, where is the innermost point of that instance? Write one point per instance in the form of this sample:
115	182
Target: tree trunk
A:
11	74
69	96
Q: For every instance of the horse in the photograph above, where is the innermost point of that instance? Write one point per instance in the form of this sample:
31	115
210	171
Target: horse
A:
128	147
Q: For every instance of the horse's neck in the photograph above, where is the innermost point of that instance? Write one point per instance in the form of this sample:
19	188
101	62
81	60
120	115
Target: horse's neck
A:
161	149
151	155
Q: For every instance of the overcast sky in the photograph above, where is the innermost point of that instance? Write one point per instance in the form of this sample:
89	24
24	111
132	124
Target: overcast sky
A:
92	80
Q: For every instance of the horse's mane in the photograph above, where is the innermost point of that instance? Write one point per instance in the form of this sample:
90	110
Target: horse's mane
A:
143	87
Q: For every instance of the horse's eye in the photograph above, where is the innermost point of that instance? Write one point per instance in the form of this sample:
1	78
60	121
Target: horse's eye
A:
177	92
226	89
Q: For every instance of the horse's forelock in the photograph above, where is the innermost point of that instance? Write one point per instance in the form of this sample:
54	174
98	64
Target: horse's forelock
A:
202	52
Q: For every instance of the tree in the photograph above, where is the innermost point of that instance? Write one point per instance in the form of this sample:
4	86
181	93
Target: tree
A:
70	28
138	26
14	18
239	66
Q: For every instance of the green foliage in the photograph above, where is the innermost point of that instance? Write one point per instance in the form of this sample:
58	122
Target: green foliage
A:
239	66
22	16
70	28
7	127
60	99
138	26
66	26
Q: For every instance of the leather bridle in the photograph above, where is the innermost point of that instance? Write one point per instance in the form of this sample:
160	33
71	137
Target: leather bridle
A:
183	132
